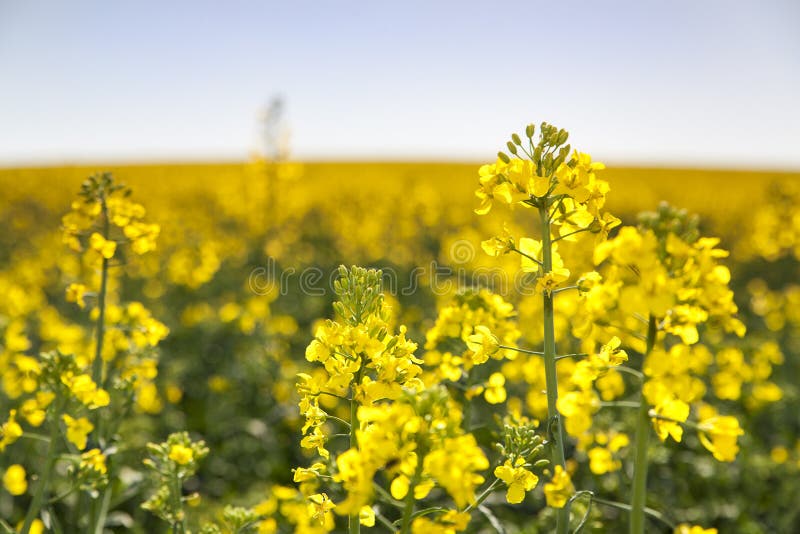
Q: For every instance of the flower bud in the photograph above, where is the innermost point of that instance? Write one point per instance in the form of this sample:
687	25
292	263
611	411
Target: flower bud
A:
529	129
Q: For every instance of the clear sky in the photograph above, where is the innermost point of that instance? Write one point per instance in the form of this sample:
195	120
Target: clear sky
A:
689	82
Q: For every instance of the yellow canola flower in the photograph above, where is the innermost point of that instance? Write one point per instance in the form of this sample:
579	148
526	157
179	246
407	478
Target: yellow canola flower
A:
518	479
674	412
304	474
94	459
37	527
483	344
143	236
601	461
450	522
611	354
532	260
14	480
75	293
560	489
455	467
10	431
102	246
499	245
84	388
366	516
495	392
779	454
685	528
181	454
531	250
77	430
319	505
719	434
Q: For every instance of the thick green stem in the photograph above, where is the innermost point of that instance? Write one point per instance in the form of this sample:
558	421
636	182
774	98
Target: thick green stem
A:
639	491
44	479
551	376
179	527
408	507
353	521
97	365
98	512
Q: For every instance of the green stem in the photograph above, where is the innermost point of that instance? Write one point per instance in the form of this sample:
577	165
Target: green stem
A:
482	497
50	462
524	351
353	522
98	512
649	511
639	490
97	365
551	377
408	507
179	527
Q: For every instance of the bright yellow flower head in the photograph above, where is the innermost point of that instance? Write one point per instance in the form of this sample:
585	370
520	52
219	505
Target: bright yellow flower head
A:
75	293
77	430
560	489
685	528
723	431
10	431
495	392
94	459
673	412
102	246
518	479
181	454
319	505
14	480
483	344
366	516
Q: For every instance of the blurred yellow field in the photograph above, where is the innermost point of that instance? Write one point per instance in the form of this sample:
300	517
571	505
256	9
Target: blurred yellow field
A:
229	269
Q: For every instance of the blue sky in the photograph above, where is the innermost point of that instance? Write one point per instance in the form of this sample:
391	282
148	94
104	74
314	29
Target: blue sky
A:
709	83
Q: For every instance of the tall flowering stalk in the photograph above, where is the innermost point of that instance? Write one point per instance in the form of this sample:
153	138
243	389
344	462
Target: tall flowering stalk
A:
568	196
363	363
83	396
664	275
403	427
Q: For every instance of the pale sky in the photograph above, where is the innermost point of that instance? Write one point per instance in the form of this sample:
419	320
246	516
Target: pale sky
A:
689	82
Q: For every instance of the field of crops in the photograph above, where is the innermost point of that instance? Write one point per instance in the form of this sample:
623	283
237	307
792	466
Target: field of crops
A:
558	352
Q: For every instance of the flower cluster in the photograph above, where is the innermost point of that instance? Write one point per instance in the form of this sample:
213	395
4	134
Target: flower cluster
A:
409	439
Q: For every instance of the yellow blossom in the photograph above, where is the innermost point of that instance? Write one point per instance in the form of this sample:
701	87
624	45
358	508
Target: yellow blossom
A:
483	344
560	489
669	414
14	480
319	505
495	392
77	430
75	293
94	459
181	454
718	434
10	431
685	528
102	246
366	516
518	479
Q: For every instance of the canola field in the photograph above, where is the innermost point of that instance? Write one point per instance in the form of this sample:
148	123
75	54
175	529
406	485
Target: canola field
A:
343	347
